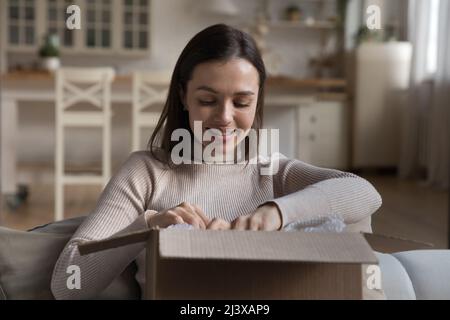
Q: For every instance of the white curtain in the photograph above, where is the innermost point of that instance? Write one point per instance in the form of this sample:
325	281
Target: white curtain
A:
438	161
425	131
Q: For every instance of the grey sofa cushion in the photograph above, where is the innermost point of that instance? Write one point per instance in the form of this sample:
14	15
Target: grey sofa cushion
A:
429	272
27	260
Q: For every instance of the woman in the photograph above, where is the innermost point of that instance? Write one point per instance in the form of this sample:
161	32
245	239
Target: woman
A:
217	84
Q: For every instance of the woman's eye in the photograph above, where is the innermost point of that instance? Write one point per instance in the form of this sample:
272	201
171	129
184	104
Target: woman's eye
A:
241	104
206	102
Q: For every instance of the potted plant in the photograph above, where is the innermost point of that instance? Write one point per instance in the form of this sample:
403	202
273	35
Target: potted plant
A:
364	34
49	53
293	13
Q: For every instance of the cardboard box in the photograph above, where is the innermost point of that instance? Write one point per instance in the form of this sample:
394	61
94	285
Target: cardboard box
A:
390	244
205	264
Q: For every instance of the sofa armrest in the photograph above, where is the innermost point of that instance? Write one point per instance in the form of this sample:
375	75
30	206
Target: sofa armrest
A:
27	260
396	283
429	271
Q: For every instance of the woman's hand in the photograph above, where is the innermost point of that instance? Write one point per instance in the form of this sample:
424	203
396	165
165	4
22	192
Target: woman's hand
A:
183	213
266	218
218	224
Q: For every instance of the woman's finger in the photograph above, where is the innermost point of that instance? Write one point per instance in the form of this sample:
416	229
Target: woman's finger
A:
255	224
240	223
165	219
201	214
190	218
218	224
191	210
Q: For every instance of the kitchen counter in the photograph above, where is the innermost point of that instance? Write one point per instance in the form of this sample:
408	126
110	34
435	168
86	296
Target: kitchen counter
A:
273	82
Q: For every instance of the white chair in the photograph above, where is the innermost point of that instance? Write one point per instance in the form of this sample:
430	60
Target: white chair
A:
86	85
149	89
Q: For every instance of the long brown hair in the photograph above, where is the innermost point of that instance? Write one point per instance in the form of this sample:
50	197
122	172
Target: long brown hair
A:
219	42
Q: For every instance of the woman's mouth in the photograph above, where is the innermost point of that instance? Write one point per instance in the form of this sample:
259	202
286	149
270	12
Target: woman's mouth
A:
226	134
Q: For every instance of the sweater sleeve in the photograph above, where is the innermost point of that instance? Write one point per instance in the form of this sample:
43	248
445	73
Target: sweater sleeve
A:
306	194
120	209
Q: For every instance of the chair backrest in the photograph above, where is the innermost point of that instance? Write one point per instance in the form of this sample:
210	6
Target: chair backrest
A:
149	89
95	88
86	85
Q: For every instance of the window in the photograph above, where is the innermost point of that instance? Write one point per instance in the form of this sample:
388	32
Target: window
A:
56	17
98	24
433	37
135	24
21	22
107	26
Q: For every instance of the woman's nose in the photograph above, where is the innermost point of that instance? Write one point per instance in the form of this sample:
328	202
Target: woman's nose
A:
224	114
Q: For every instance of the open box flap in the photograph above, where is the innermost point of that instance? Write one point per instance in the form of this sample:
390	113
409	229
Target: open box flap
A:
113	242
390	244
249	245
266	246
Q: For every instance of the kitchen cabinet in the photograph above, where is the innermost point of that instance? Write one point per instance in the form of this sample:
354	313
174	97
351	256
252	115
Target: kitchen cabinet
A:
27	21
322	135
312	128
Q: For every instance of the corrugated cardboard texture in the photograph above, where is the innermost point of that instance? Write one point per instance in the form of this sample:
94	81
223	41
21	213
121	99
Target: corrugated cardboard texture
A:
265	246
198	264
208	280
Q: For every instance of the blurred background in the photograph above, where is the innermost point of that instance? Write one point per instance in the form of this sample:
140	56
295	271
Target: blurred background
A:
357	85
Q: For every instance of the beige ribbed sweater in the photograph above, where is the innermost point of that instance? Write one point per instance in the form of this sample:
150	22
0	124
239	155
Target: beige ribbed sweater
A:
301	191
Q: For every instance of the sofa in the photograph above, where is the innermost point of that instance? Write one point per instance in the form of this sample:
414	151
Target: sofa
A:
27	259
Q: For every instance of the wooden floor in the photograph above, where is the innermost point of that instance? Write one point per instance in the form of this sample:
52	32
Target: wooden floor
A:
410	209
39	208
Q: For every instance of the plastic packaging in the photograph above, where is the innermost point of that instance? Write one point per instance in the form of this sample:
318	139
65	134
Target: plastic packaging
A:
330	223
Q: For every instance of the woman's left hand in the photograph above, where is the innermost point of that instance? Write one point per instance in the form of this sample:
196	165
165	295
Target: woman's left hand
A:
266	218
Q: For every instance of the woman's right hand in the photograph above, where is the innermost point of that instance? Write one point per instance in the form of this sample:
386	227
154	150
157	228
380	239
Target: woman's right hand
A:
183	213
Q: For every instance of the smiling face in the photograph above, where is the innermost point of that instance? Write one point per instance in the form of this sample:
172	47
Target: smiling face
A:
223	96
